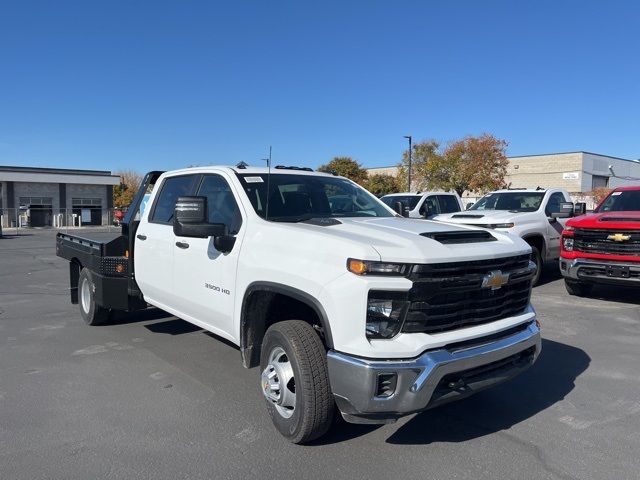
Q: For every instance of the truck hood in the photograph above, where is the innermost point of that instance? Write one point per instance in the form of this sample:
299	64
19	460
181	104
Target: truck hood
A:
398	239
485	217
607	220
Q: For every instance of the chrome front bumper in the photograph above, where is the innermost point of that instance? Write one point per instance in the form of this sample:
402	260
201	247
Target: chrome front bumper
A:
433	378
600	271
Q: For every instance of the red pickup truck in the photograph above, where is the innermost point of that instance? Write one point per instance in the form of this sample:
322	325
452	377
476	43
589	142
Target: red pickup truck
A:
603	246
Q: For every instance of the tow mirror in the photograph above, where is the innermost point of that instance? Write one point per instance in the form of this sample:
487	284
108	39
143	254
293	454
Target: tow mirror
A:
401	210
190	219
566	210
579	208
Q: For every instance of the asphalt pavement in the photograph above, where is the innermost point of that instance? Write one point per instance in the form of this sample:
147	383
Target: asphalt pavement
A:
155	397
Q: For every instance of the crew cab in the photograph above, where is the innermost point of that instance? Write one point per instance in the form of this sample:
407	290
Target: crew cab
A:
354	308
531	214
424	204
603	246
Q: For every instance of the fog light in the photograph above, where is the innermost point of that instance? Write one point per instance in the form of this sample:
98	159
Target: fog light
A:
385	317
567	243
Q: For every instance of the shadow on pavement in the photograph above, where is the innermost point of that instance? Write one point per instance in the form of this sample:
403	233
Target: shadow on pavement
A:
546	383
550	273
124	318
174	326
615	293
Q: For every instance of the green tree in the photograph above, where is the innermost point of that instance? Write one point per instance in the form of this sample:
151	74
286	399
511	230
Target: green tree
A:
346	167
423	153
381	184
123	193
473	164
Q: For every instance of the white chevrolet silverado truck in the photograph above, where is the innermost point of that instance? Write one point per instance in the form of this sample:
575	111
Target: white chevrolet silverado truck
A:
341	306
424	204
531	214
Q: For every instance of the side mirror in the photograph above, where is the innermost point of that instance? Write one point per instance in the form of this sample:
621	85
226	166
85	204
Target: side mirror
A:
566	210
469	205
190	219
400	209
427	210
579	208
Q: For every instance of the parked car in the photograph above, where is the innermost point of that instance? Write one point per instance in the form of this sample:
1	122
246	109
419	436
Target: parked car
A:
357	309
603	246
531	214
425	204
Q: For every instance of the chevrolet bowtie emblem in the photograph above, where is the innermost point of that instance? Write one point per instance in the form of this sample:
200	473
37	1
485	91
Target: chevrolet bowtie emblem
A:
619	237
495	279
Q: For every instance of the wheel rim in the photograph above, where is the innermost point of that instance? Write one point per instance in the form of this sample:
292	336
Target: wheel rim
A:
85	295
278	383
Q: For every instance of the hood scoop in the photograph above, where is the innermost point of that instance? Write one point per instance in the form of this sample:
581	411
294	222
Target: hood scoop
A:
461	236
466	215
620	219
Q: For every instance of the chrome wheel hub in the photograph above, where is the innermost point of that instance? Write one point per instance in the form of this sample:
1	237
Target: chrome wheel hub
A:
85	295
278	383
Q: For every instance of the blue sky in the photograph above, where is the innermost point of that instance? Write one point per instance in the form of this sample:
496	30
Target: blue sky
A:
160	85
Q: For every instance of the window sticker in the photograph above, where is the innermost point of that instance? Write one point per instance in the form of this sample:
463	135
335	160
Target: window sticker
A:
253	179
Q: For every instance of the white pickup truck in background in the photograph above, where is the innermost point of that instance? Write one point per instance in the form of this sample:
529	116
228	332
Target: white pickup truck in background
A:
531	214
424	204
341	302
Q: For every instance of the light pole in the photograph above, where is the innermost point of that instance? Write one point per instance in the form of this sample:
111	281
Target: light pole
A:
409	138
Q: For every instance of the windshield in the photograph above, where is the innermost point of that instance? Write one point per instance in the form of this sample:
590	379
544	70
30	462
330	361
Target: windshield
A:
625	201
295	198
408	201
512	201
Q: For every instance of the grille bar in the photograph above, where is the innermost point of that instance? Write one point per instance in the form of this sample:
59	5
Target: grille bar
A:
598	241
450	295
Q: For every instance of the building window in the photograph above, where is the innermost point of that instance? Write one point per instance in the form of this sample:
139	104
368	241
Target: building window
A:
599	181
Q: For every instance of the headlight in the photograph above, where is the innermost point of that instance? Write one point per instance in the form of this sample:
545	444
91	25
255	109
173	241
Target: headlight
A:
499	225
384	315
569	228
366	267
567	243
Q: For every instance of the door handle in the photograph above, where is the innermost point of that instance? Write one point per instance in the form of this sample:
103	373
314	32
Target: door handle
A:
182	245
141	237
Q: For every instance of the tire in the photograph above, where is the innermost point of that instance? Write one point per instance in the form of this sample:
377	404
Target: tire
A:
537	258
91	313
579	289
293	355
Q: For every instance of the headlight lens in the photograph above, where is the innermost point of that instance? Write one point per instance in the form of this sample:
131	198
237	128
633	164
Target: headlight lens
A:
385	317
500	225
366	267
567	243
569	228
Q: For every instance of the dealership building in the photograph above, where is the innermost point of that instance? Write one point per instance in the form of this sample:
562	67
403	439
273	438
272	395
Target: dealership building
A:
577	172
41	197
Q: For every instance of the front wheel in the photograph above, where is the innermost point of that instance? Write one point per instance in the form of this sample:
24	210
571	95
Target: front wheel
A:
92	314
295	381
578	289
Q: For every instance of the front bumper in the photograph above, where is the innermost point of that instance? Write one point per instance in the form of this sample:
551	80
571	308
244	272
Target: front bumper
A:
433	378
600	271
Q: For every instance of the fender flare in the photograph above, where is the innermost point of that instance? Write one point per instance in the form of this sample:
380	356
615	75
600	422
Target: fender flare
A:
300	295
529	236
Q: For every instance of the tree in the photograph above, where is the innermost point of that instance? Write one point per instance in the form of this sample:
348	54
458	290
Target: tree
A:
381	184
123	193
423	153
474	164
346	167
599	194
